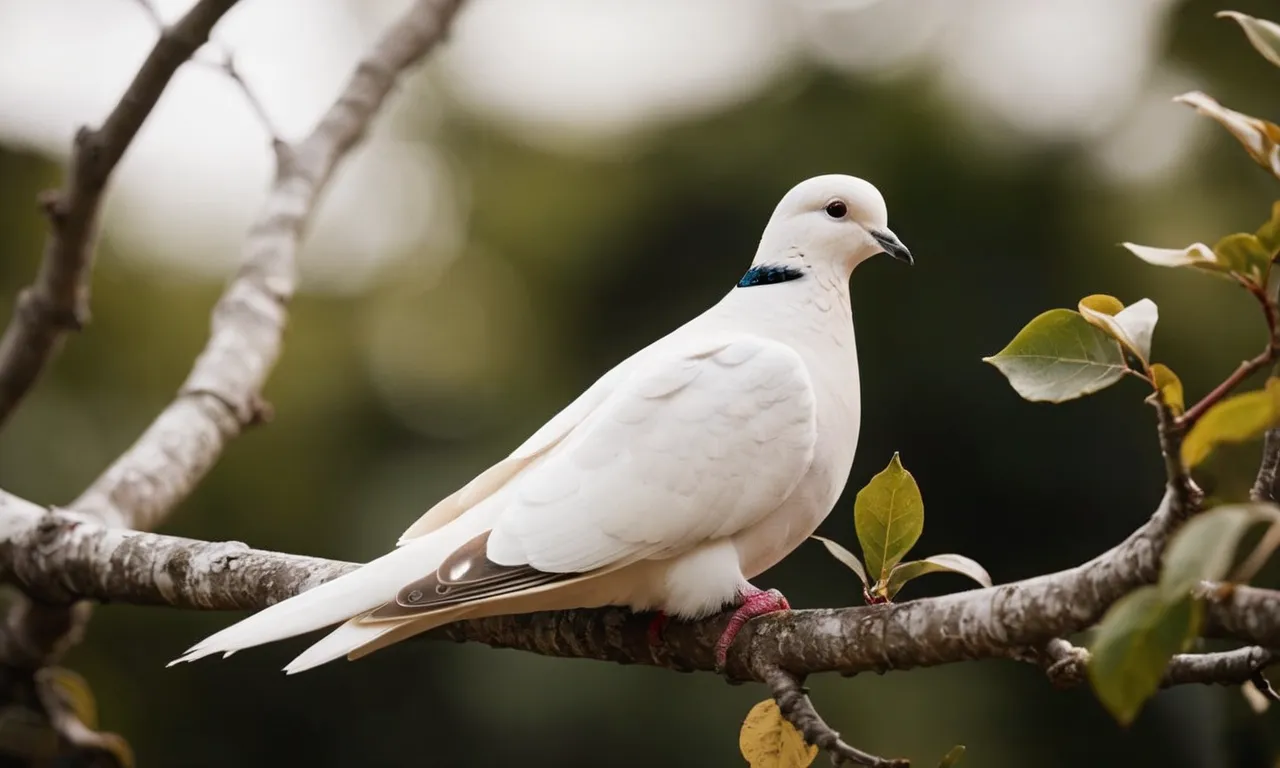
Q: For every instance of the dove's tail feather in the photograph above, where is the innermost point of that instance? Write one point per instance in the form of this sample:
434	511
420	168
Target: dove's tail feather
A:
349	595
355	639
360	637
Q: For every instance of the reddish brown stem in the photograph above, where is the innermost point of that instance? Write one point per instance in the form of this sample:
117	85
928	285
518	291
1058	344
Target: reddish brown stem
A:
1247	368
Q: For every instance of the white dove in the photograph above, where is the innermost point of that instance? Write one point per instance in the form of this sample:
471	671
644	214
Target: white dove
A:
688	469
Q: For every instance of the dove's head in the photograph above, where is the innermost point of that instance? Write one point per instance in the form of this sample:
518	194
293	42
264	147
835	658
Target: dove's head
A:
832	222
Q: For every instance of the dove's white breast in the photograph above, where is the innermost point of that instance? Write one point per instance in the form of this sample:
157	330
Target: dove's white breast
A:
817	323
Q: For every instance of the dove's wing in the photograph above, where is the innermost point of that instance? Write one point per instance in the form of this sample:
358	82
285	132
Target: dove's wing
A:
694	446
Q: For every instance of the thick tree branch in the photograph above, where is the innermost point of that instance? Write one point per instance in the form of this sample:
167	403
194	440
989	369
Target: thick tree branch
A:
1250	614
58	300
59	556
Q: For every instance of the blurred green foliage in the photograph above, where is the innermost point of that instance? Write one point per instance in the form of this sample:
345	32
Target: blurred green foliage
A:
570	264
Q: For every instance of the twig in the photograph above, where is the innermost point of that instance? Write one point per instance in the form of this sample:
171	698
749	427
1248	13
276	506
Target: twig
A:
1065	665
1248	367
793	701
58	300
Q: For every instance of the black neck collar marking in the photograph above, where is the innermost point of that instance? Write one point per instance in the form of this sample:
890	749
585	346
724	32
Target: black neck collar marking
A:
766	274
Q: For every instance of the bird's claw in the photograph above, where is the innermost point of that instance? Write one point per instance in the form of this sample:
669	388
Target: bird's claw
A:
756	603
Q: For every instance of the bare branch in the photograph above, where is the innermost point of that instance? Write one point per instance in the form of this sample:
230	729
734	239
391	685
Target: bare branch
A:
1251	614
221	394
793	701
1065	664
58	300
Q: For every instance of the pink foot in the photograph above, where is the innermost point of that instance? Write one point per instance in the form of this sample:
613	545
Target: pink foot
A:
755	602
656	628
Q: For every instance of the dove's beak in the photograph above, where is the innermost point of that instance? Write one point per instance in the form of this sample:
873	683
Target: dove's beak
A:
892	245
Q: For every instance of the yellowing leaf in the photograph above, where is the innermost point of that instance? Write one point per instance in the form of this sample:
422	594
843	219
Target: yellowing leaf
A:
1205	547
767	740
1233	420
1059	356
1269	233
1133	645
845	556
952	757
1169	387
1257	701
1259	137
1101	302
1245	255
904	572
888	515
1263	34
1132	326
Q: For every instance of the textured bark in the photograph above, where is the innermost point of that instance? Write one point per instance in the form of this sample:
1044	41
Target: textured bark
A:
58	300
1245	613
59	556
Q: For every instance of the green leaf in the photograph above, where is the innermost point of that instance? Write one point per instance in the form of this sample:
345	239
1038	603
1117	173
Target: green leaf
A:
889	516
1236	419
1169	387
1245	255
1269	234
1264	35
1259	137
1059	356
1133	645
767	740
952	757
845	556
1206	546
1132	326
904	572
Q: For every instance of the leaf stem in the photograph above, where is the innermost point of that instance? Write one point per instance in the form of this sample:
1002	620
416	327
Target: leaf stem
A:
1248	367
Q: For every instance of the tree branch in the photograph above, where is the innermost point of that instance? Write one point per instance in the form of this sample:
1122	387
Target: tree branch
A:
222	392
58	300
793	701
58	556
1065	664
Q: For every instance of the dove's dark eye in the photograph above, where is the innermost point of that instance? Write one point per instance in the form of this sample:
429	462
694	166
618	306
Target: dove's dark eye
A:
837	209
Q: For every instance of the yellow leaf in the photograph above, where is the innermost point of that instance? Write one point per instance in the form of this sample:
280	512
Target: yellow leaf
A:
1234	420
1101	302
1260	138
767	740
1132	326
1169	386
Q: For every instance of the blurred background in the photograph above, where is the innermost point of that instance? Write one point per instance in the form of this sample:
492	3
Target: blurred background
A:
566	181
